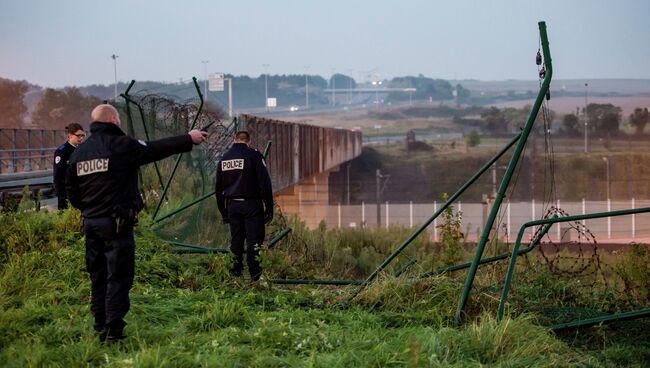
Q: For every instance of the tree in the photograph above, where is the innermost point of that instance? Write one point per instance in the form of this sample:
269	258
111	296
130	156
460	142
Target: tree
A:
604	119
570	124
12	106
473	139
639	118
495	120
341	81
436	89
56	108
462	93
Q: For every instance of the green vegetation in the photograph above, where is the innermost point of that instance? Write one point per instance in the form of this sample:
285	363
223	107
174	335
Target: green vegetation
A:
473	139
424	175
186	311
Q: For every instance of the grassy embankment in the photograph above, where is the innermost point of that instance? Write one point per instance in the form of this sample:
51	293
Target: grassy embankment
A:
186	312
424	175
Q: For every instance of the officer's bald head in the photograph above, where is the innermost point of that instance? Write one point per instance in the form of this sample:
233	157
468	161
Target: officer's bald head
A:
105	113
242	136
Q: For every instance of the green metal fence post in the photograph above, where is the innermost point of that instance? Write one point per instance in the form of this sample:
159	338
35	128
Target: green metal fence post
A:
180	155
422	227
547	222
508	174
128	100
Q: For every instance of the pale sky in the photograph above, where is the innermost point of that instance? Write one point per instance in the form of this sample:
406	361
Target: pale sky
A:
57	43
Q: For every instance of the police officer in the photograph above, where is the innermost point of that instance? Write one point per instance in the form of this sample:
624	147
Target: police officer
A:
102	181
245	200
62	154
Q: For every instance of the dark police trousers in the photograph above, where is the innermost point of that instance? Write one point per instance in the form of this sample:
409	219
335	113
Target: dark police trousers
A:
62	203
246	222
110	261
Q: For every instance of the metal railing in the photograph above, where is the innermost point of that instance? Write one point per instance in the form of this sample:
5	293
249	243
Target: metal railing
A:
24	150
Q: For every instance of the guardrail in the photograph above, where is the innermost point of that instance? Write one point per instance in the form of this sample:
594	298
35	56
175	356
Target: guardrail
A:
23	150
12	185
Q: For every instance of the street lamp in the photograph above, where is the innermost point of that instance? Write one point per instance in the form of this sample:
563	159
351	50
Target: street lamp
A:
333	86
607	177
306	86
205	81
350	87
266	86
586	124
609	201
114	57
376	84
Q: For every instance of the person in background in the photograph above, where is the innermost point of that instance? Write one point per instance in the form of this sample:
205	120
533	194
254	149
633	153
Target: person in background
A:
245	201
102	181
76	135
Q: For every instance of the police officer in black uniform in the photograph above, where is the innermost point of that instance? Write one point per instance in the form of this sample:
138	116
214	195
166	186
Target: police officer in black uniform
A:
61	156
245	200
102	182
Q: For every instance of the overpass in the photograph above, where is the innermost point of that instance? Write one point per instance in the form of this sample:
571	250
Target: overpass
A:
300	159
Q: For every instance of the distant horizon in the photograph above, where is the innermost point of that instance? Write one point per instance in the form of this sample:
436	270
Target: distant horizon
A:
66	43
555	81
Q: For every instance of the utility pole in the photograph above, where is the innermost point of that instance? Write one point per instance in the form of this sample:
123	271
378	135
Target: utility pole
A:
205	80
494	180
347	201
378	180
306	86
350	87
586	123
114	57
229	96
607	177
381	185
609	200
266	86
333	86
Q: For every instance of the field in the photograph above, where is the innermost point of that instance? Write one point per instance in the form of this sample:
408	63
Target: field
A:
187	311
566	105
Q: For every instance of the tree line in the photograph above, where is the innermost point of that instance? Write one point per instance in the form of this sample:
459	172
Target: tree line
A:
601	120
56	108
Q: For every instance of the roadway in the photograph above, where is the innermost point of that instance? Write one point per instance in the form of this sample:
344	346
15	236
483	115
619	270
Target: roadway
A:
11	185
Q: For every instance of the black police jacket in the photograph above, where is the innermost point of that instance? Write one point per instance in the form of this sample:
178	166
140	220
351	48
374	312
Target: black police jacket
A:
61	157
241	173
102	173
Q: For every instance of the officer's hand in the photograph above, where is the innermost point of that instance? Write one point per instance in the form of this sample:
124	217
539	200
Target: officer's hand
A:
268	216
198	136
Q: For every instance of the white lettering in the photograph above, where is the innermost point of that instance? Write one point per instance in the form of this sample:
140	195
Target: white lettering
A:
236	164
92	166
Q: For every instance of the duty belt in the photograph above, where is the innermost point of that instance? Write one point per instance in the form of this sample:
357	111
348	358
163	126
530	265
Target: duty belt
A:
240	199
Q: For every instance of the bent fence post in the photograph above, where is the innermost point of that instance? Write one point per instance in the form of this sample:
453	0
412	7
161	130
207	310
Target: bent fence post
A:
128	100
508	174
551	221
422	227
180	155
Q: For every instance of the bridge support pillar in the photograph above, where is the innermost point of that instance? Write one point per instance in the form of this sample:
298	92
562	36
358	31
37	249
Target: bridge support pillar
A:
308	200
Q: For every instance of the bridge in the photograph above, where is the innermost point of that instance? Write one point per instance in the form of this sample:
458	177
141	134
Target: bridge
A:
300	160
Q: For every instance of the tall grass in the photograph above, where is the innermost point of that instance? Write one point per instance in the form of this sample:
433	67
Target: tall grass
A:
186	313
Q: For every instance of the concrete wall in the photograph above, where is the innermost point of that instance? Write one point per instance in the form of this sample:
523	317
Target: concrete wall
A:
300	151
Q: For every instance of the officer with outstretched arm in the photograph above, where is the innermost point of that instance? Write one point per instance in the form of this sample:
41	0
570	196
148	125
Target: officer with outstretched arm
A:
102	181
245	200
